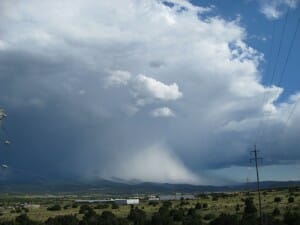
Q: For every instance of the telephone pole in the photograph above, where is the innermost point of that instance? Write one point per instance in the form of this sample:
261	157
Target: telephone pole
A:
256	158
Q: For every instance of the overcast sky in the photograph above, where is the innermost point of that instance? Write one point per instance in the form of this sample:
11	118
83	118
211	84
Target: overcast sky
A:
163	91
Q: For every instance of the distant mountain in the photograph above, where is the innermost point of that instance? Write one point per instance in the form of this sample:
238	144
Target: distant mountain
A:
122	188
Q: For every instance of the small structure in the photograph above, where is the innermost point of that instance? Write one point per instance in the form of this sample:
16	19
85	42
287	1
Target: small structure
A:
133	201
31	206
177	197
90	201
153	199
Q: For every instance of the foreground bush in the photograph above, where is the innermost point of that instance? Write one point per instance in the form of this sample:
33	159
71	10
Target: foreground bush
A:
63	220
225	219
54	208
292	218
23	219
137	216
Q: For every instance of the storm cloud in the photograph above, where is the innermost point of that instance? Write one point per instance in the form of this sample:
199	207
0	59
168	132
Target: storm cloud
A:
136	90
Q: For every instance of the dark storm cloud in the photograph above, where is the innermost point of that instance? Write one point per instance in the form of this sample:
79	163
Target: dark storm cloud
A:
101	90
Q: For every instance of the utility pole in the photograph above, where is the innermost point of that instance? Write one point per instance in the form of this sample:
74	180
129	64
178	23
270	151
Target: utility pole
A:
255	158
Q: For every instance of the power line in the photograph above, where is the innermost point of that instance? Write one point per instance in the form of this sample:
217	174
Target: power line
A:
261	124
284	69
292	111
267	72
289	52
271	49
279	49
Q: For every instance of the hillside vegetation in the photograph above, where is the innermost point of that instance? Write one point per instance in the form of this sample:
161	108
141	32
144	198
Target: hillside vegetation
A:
279	207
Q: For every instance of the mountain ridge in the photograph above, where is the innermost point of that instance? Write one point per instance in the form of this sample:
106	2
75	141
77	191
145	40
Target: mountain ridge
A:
106	186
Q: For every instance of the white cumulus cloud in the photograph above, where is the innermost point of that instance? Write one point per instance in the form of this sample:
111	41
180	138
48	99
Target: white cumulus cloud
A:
118	78
162	112
274	9
147	89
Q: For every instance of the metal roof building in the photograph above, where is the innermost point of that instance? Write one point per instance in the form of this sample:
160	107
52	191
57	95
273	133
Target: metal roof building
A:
133	201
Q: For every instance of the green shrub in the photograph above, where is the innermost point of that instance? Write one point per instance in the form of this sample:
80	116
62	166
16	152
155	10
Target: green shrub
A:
249	206
114	206
153	203
277	199
102	206
237	208
209	216
183	202
85	209
291	199
276	212
292	218
62	220
54	208
24	220
167	204
215	198
198	206
18	210
26	210
191	212
225	219
177	214
137	216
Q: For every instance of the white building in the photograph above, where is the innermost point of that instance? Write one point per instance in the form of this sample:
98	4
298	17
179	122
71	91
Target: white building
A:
133	201
32	206
91	201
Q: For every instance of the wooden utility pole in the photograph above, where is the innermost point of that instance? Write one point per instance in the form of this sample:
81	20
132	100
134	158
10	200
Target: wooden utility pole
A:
256	158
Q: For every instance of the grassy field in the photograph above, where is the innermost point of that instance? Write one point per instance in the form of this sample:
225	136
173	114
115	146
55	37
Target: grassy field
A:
217	203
